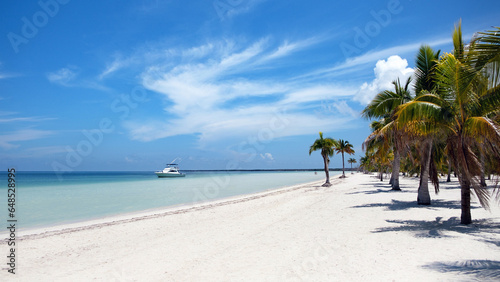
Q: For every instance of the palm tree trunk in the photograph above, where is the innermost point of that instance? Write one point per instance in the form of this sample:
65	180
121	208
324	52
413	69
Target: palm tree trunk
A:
395	170
448	179
465	184
466	217
424	198
327	173
343	167
483	179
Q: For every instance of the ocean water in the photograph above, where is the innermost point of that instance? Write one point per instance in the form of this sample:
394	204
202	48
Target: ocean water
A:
42	199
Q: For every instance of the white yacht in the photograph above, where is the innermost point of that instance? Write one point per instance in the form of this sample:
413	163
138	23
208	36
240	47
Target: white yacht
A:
172	170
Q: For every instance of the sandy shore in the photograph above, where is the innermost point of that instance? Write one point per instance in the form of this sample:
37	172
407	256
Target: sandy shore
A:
355	230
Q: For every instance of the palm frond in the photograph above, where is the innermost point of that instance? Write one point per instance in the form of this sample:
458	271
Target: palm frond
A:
458	45
424	67
482	128
487	52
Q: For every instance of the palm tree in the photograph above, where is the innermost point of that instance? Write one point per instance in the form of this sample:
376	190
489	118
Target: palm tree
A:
377	147
384	105
425	82
326	146
463	108
365	163
343	146
352	161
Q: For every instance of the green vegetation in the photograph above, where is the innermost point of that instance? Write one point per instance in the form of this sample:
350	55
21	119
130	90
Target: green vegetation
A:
325	145
451	122
342	147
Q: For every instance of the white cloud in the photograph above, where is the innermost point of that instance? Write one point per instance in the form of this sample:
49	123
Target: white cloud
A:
68	77
119	63
63	76
386	71
343	108
217	95
24	119
267	156
7	141
353	64
229	9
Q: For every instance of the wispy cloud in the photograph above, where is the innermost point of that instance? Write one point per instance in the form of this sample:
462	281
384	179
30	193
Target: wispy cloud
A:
267	156
70	77
227	9
25	119
117	64
10	140
64	76
351	65
216	91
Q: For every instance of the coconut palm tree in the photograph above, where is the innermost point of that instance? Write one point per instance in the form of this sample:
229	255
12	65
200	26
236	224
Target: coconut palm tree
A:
352	161
365	163
343	146
425	82
463	108
325	145
377	147
384	105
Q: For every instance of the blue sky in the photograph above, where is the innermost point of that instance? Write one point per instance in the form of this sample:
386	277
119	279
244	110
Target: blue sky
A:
132	85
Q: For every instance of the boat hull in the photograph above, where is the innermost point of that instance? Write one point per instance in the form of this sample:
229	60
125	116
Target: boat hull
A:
169	175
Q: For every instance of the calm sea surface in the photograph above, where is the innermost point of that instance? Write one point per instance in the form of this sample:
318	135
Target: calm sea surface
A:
42	199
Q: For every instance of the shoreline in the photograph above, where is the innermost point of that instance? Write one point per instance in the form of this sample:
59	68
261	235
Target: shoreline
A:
45	231
161	198
357	229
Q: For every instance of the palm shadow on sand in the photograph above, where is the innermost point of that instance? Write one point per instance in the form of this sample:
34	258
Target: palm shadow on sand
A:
396	205
382	187
387	189
483	230
486	231
482	270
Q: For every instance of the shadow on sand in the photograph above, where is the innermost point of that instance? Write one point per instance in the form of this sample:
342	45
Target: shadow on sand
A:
482	270
378	191
396	205
485	230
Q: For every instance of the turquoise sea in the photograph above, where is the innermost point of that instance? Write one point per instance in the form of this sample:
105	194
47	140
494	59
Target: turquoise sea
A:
43	199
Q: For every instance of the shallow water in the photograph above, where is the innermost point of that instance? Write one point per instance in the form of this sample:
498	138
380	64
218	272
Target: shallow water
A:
42	199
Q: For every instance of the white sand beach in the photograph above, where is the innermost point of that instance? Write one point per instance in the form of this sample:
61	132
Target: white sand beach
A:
355	230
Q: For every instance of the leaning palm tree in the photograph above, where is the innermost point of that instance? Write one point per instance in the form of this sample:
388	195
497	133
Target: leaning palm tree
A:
352	161
326	146
384	105
344	146
468	97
